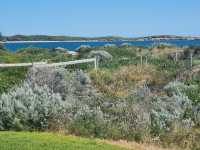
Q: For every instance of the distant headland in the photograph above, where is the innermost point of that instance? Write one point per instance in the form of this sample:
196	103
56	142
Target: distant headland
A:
48	38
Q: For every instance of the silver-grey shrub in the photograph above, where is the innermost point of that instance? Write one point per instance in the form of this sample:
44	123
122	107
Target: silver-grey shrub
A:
125	45
89	121
74	85
179	87
196	111
128	118
101	55
48	98
83	48
74	88
26	107
166	111
68	84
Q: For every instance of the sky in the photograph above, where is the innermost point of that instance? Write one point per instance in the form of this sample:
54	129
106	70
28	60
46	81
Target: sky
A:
92	18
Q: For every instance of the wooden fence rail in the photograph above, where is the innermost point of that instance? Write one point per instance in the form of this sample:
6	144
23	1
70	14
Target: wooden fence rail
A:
22	64
45	64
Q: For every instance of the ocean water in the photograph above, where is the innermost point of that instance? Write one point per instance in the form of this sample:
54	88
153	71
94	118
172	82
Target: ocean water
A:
74	45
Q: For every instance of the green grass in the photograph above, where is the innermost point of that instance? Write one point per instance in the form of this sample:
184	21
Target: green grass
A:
10	77
49	141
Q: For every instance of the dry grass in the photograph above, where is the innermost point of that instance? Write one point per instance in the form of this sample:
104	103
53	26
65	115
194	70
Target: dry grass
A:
134	145
122	82
182	138
158	52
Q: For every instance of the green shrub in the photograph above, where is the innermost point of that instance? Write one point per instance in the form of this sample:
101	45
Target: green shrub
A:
10	77
192	91
2	46
89	122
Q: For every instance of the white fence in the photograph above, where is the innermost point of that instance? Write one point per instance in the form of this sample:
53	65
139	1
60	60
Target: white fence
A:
45	64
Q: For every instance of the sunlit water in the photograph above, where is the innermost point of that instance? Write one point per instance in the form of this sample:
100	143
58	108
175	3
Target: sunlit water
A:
74	45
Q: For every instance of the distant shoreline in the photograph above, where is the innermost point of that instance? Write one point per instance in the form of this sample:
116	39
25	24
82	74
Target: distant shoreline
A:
82	41
68	39
86	41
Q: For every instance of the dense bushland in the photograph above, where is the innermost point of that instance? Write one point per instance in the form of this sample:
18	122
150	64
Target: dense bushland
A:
127	98
56	99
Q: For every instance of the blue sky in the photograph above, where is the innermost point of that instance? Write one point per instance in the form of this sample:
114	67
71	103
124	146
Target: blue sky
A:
100	17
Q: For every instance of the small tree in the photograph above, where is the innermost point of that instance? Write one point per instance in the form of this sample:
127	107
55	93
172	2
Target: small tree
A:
1	46
1	37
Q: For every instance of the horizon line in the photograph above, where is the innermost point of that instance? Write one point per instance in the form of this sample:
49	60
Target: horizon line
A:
104	36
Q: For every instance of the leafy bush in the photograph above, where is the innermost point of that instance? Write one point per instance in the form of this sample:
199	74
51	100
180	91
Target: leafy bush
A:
40	54
10	77
194	50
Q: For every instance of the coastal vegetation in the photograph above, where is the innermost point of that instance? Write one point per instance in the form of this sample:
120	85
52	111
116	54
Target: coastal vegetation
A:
147	95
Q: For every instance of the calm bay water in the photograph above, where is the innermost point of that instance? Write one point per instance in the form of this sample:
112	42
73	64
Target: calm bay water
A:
74	45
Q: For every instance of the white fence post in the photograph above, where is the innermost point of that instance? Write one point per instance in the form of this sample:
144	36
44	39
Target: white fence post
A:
146	61
141	59
191	60
176	58
95	63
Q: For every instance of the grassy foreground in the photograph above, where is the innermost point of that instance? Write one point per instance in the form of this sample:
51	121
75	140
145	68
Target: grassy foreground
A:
49	141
